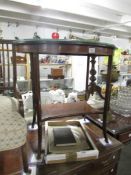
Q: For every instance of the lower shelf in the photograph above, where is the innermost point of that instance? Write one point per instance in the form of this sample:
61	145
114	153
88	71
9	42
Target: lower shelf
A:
106	164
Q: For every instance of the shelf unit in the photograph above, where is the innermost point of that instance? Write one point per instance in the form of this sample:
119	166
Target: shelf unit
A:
45	70
125	69
66	69
125	64
55	62
7	67
23	73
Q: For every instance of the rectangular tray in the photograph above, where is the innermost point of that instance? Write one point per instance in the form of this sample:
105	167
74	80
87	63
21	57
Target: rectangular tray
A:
85	148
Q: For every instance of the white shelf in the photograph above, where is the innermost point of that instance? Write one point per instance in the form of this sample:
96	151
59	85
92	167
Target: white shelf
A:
20	64
55	64
46	79
125	73
23	80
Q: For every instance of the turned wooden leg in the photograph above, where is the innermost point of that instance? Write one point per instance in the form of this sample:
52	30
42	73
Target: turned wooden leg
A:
25	158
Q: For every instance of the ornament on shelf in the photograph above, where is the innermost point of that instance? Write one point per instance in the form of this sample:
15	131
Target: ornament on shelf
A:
16	38
55	35
36	36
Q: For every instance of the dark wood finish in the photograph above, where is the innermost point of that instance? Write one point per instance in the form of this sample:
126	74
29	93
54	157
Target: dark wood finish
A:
60	110
87	76
8	62
92	87
66	47
36	96
25	158
14	70
106	164
0	67
3	64
63	47
118	126
33	89
10	162
6	52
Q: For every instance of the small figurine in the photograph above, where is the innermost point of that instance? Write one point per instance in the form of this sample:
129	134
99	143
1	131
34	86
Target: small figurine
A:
16	38
36	36
55	35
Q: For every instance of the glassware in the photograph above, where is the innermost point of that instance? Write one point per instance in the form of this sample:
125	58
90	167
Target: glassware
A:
122	105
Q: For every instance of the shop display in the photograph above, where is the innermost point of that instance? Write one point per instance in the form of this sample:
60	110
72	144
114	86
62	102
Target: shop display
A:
55	70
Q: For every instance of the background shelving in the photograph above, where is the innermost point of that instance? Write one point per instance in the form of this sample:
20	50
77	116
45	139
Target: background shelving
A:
48	62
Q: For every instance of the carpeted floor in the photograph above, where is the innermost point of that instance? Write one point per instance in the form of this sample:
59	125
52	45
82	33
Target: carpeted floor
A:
124	167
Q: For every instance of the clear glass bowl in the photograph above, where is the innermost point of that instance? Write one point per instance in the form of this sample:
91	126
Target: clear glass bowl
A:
118	108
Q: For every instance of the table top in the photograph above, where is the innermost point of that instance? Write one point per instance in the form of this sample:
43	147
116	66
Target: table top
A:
116	124
64	41
64	46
